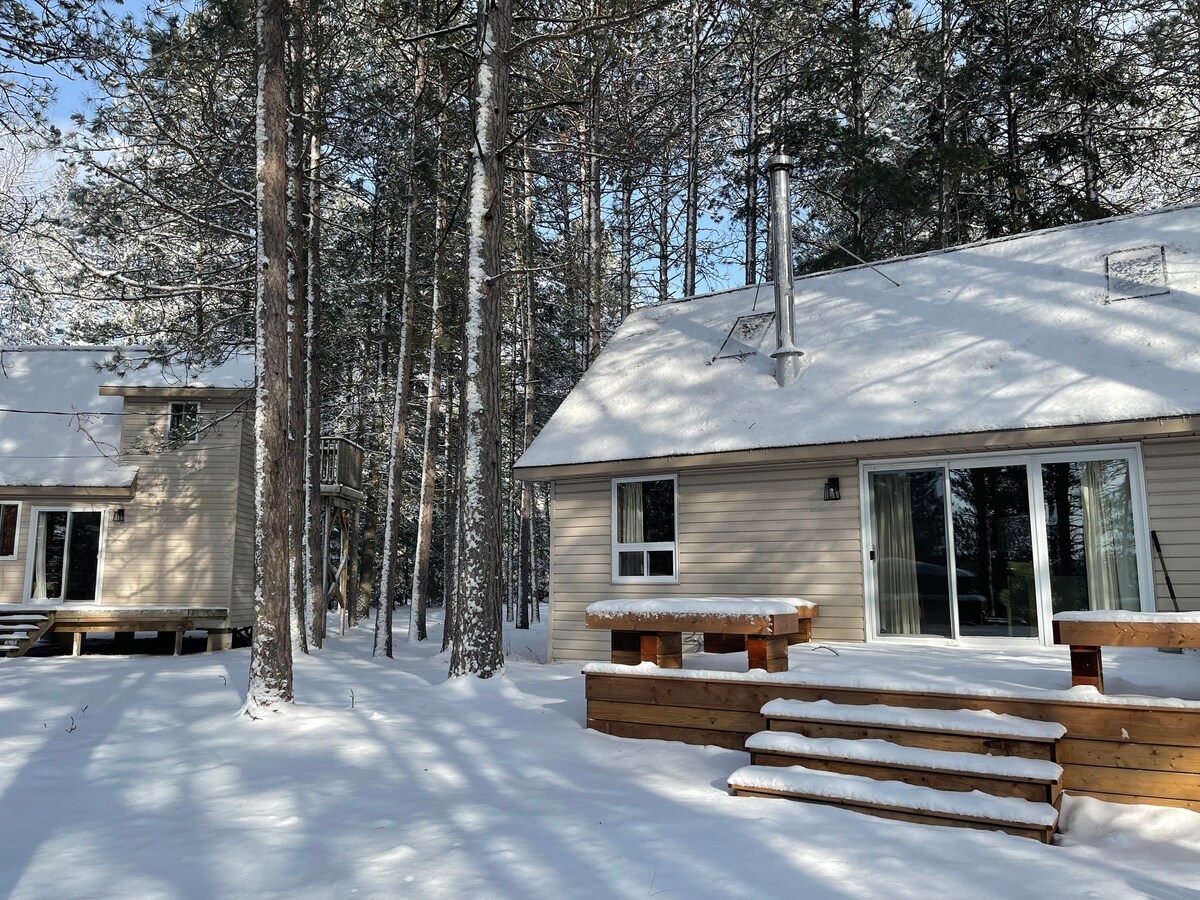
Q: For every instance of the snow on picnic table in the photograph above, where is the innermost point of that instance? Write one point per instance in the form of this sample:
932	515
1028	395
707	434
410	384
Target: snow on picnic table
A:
137	777
697	606
1124	615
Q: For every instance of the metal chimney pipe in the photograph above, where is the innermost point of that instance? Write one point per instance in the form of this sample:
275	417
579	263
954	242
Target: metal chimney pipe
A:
786	355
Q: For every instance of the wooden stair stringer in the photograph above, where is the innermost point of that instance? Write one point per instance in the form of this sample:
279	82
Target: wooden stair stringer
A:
39	624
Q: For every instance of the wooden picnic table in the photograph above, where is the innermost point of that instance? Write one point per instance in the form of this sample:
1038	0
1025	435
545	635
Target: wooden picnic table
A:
651	630
1086	632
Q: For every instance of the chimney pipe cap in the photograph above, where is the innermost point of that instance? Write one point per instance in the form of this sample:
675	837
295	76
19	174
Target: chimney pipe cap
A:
779	161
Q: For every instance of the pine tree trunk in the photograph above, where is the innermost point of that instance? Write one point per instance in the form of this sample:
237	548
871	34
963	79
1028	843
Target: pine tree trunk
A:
417	624
477	646
626	244
528	327
390	556
750	174
270	683
315	549
301	600
692	202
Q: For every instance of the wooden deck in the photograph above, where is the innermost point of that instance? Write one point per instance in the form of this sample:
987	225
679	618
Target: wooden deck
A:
76	620
1125	752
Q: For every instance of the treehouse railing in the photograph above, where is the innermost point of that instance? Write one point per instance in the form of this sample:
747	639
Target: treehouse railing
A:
341	463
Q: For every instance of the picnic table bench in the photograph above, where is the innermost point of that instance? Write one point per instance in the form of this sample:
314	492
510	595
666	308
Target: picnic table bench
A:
651	630
1086	632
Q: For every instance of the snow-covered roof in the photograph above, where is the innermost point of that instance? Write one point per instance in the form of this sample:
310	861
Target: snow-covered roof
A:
1024	332
56	429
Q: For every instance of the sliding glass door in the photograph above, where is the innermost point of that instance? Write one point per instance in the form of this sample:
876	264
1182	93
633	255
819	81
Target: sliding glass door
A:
65	562
992	547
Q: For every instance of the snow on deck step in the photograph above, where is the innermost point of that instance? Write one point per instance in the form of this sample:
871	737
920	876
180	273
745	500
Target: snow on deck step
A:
28	618
889	754
895	795
956	721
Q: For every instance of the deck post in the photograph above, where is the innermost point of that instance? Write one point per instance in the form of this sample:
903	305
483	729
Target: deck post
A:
663	648
220	639
77	643
1086	667
625	648
767	651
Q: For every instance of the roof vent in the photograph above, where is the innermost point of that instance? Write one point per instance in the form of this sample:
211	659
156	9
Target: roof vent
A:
1140	272
746	336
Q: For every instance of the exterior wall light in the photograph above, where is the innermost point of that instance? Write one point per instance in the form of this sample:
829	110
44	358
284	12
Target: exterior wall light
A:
833	489
119	515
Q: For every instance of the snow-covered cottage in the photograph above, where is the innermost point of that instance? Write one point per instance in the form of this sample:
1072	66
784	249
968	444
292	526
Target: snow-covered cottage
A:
126	497
978	439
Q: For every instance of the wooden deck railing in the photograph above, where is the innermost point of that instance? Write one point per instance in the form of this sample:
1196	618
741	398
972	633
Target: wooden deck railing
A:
341	463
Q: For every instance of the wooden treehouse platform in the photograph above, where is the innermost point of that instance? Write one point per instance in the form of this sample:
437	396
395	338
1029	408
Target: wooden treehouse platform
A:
22	626
972	760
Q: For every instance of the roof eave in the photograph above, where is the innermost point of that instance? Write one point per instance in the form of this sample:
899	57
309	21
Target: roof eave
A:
164	393
1056	435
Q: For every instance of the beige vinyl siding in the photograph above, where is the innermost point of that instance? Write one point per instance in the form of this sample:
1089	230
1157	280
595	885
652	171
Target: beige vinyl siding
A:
175	547
241	605
1173	495
763	531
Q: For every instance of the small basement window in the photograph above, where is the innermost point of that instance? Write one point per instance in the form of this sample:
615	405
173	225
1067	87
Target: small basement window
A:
10	521
645	541
746	336
183	426
1140	272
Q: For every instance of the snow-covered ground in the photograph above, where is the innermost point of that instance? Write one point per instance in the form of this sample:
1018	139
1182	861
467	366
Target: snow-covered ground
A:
137	777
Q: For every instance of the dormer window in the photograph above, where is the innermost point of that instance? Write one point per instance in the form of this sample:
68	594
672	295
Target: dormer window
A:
1140	272
183	426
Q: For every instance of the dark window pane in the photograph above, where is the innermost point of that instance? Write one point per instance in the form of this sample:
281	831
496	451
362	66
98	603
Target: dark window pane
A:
185	417
662	562
8	529
658	503
631	563
993	552
84	555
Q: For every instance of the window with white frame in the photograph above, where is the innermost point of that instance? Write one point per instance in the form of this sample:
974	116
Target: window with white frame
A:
10	522
183	425
645	539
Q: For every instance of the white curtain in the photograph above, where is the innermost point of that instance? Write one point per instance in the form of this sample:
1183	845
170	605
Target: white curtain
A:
39	559
1108	542
630	528
895	549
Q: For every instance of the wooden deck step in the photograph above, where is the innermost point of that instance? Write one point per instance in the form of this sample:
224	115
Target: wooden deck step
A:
896	800
963	730
20	632
1002	776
